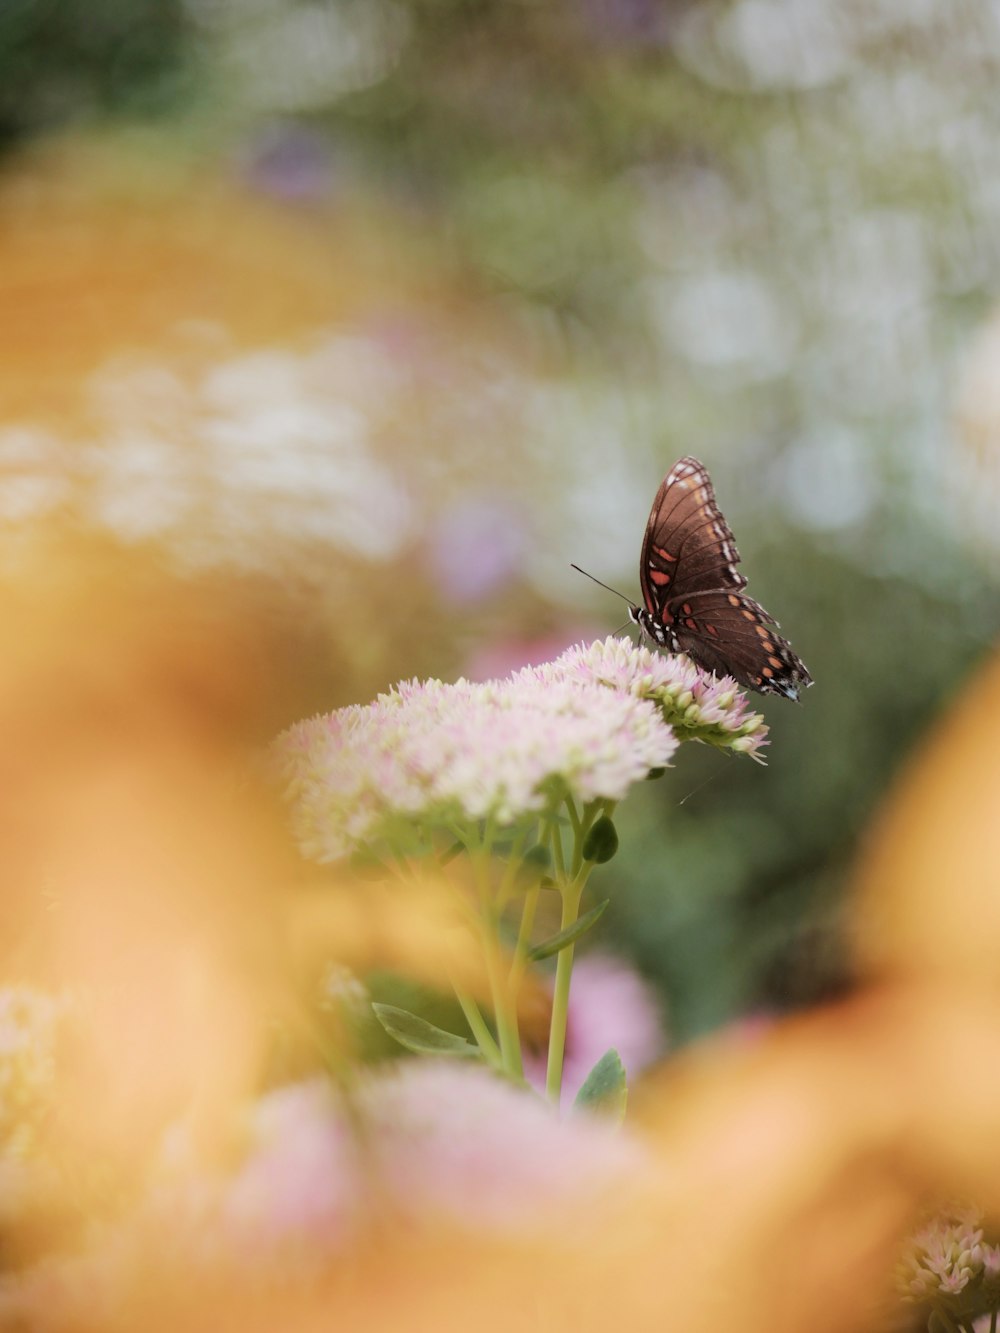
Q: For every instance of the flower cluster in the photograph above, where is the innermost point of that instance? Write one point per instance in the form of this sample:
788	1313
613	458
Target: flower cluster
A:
589	724
949	1259
696	704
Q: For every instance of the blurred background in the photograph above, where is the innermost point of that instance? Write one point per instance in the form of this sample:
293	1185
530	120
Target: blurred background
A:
372	315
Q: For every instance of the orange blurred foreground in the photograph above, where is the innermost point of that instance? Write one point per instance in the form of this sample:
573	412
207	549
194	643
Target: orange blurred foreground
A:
785	1169
138	877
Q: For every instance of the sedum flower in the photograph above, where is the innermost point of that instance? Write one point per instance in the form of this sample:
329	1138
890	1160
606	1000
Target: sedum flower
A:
696	704
943	1258
589	724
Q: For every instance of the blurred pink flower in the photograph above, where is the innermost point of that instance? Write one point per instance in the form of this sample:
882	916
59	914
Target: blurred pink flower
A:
301	1180
290	162
475	547
503	656
456	1141
439	1139
610	1005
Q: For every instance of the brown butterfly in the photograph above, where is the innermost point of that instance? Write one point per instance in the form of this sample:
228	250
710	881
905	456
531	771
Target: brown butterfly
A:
693	592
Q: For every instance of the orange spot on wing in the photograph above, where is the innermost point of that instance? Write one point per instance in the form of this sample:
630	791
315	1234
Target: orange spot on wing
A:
659	577
691	624
762	631
768	672
733	600
749	615
775	661
664	555
686	608
712	630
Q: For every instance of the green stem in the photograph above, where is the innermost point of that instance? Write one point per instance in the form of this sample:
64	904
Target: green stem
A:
505	1012
993	1320
477	1024
556	846
509	876
524	934
571	894
571	887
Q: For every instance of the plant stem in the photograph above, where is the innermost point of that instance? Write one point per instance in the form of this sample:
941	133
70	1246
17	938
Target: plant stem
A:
571	894
556	845
503	1009
477	1024
524	934
509	876
571	889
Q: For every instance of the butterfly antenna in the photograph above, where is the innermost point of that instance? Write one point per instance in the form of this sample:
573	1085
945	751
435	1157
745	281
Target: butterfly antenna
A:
695	790
600	584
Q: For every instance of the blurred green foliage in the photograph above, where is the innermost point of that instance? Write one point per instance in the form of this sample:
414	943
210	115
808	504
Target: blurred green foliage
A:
66	62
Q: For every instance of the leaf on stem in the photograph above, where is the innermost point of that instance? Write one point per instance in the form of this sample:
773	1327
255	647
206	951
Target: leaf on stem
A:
601	842
604	1088
556	943
538	857
416	1034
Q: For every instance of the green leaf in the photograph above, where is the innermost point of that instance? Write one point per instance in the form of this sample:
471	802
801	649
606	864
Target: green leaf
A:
416	1034
601	842
456	849
556	943
538	857
605	1089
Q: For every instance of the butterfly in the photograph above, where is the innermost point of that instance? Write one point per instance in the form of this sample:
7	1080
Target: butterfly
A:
693	592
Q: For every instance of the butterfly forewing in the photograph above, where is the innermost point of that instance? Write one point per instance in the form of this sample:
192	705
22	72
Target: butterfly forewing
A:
688	544
693	591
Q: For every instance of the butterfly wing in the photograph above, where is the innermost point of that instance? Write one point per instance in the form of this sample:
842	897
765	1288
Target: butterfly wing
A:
691	587
688	545
732	635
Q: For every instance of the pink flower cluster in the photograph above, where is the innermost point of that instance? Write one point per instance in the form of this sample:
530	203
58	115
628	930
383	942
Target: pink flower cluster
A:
696	704
946	1256
591	723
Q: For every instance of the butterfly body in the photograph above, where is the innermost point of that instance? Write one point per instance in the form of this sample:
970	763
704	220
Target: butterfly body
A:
693	595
